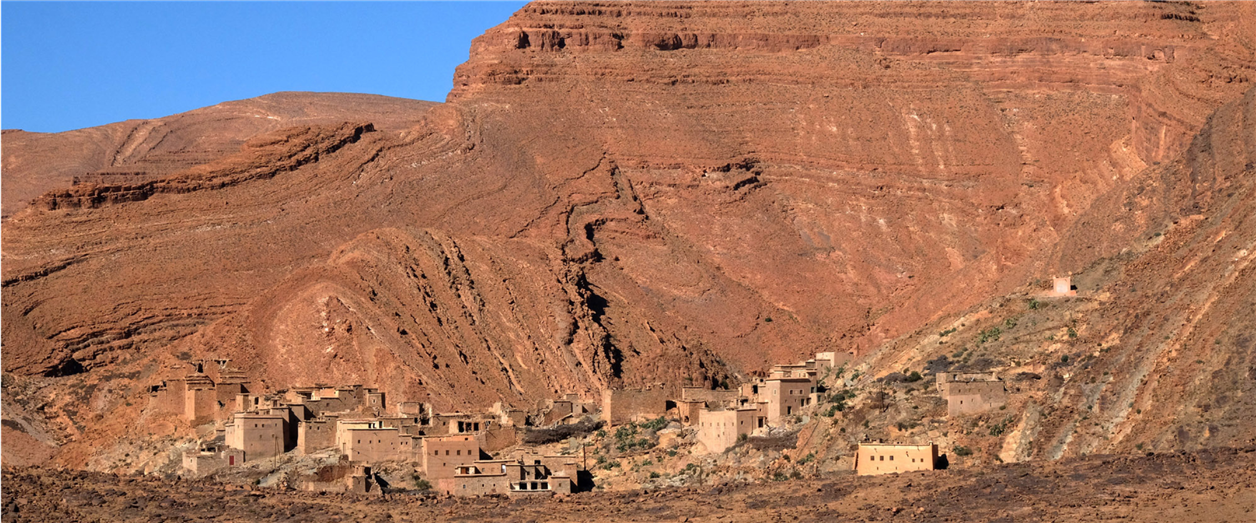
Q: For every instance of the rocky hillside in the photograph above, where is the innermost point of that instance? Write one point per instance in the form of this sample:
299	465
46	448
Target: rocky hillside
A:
621	193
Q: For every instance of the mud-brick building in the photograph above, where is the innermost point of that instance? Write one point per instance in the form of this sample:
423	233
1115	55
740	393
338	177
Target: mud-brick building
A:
627	405
196	396
259	436
206	460
316	434
971	393
532	475
787	396
373	443
459	423
441	454
873	459
720	429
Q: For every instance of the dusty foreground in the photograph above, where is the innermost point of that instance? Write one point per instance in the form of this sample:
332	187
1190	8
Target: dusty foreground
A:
1213	485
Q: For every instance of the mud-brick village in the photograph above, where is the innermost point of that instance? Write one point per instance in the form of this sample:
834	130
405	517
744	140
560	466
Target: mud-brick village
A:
346	434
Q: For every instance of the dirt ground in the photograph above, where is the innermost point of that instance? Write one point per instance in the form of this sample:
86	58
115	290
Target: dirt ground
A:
1213	485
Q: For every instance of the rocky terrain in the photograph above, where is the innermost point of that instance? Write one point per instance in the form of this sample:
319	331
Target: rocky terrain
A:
1209	486
618	194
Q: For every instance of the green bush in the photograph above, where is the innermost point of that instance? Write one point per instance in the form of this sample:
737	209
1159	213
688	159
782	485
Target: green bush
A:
947	332
422	484
991	334
779	476
914	377
961	450
811	456
654	424
654	475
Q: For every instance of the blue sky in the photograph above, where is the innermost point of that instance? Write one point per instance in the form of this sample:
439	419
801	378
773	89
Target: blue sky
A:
68	65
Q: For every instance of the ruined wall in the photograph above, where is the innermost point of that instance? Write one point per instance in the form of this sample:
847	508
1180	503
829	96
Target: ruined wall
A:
168	399
888	459
625	405
498	438
712	398
200	405
974	397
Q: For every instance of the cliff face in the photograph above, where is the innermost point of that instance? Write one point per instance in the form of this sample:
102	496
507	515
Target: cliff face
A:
630	193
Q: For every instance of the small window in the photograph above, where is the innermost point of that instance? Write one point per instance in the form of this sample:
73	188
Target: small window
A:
891	458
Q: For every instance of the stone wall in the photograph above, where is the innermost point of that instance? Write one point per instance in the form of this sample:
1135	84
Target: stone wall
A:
713	398
625	405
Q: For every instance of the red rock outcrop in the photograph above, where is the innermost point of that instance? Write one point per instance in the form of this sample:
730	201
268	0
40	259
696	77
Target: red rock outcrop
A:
629	193
145	150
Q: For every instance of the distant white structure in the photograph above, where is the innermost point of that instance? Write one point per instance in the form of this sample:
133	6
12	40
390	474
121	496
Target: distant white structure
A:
1063	286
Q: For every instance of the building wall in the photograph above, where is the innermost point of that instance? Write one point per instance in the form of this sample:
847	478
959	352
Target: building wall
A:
889	459
690	411
720	429
480	484
498	438
786	397
201	463
169	398
973	397
557	410
625	405
258	436
200	405
441	454
373	445
315	435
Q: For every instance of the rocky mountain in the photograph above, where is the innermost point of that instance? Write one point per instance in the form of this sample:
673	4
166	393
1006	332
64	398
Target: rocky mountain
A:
629	193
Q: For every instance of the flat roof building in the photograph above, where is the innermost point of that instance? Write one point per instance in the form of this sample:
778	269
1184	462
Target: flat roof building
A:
873	459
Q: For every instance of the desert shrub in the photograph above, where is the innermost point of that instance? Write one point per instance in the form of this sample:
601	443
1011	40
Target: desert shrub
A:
999	428
939	364
654	475
1035	304
961	450
947	332
779	476
654	424
422	484
561	432
1072	333
991	334
894	377
811	456
914	377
